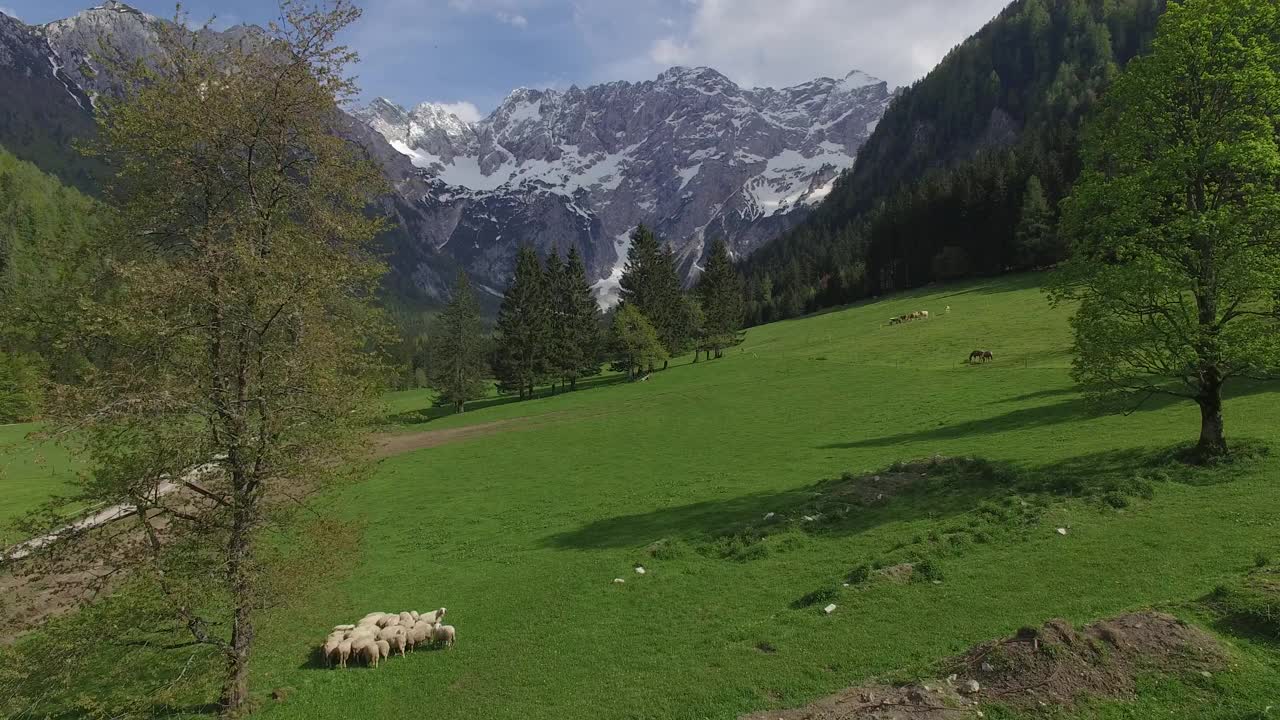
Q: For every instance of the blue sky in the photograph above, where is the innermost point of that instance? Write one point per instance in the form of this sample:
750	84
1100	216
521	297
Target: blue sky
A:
474	52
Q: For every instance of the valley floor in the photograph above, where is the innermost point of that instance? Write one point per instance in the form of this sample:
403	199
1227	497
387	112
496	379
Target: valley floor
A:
520	523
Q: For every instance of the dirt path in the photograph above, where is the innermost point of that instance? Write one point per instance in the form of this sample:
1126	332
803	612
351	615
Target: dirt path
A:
390	445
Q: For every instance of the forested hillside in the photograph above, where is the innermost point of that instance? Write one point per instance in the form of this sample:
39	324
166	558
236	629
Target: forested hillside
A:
963	173
45	230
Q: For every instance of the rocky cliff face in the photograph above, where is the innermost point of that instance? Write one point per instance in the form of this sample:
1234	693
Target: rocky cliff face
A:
690	154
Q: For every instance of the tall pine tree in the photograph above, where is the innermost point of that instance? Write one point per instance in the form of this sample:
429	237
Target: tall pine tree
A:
523	330
457	367
581	347
650	284
1035	234
720	292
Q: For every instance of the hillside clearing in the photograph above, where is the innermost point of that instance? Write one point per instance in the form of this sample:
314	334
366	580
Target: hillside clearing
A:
520	534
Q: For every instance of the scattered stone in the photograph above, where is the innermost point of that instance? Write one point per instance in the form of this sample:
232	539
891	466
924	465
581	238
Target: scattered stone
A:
639	570
769	516
970	687
1062	531
845	584
937	582
987	667
618	581
1206	673
808	518
829	609
951	679
868	698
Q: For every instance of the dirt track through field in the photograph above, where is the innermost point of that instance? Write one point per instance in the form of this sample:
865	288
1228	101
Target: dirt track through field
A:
400	443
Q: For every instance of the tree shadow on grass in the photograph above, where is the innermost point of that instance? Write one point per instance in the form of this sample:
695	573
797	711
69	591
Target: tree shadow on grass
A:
1110	477
1072	410
425	415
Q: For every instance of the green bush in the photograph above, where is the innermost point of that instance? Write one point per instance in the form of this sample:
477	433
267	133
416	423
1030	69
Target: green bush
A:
821	596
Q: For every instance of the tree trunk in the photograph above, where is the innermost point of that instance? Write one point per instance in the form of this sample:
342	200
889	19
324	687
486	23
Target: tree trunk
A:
235	690
665	363
719	353
1213	441
573	384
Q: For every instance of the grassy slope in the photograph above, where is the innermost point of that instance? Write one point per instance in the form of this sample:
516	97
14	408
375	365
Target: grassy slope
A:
520	533
29	473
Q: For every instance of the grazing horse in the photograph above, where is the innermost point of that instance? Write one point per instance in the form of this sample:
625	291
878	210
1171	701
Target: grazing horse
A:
977	355
986	355
895	321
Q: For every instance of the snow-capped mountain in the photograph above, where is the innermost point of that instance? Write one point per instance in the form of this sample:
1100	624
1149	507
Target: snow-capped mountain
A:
690	154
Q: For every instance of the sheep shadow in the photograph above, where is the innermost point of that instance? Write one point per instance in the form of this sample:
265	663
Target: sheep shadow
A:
940	497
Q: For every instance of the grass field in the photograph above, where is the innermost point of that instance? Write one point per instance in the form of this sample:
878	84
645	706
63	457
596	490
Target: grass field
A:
30	473
521	531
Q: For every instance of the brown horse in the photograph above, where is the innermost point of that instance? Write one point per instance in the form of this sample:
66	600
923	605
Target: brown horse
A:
986	355
976	355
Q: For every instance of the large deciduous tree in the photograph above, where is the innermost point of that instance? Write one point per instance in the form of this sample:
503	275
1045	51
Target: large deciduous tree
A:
636	345
1176	221
456	356
239	340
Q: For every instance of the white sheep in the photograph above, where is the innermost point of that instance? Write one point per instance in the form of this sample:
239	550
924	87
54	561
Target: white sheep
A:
330	651
434	616
344	652
372	617
406	618
384	649
343	628
398	640
415	615
388	619
445	635
421	633
366	650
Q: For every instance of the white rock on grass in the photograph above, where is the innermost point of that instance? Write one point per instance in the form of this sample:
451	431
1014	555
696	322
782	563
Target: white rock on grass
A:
639	570
971	687
1062	531
768	516
829	609
618	581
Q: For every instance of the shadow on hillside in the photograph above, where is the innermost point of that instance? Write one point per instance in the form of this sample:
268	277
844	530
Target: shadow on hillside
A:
1077	408
1095	475
425	415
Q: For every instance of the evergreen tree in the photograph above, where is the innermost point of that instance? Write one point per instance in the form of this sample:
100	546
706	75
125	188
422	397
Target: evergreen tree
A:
721	295
1035	233
456	367
651	284
581	320
635	342
524	328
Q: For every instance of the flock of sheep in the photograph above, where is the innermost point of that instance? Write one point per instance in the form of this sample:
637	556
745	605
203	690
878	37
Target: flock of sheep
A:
917	315
379	634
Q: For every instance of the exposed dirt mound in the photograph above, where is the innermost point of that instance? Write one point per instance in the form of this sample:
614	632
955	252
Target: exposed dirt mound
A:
1048	666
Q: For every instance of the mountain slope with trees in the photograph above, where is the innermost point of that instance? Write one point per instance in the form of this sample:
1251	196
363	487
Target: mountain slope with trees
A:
938	191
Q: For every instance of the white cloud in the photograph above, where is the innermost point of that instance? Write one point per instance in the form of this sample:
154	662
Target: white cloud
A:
513	19
466	111
765	42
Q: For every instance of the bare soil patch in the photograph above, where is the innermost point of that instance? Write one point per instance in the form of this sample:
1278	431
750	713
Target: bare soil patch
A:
1039	667
391	445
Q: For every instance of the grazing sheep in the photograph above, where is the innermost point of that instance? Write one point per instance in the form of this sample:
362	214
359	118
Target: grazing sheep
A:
407	618
344	652
397	641
343	628
895	321
372	617
330	651
924	314
384	649
366	650
415	615
444	635
386	620
421	634
434	616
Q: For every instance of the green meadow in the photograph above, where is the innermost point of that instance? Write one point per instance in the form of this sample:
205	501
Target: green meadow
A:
521	527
